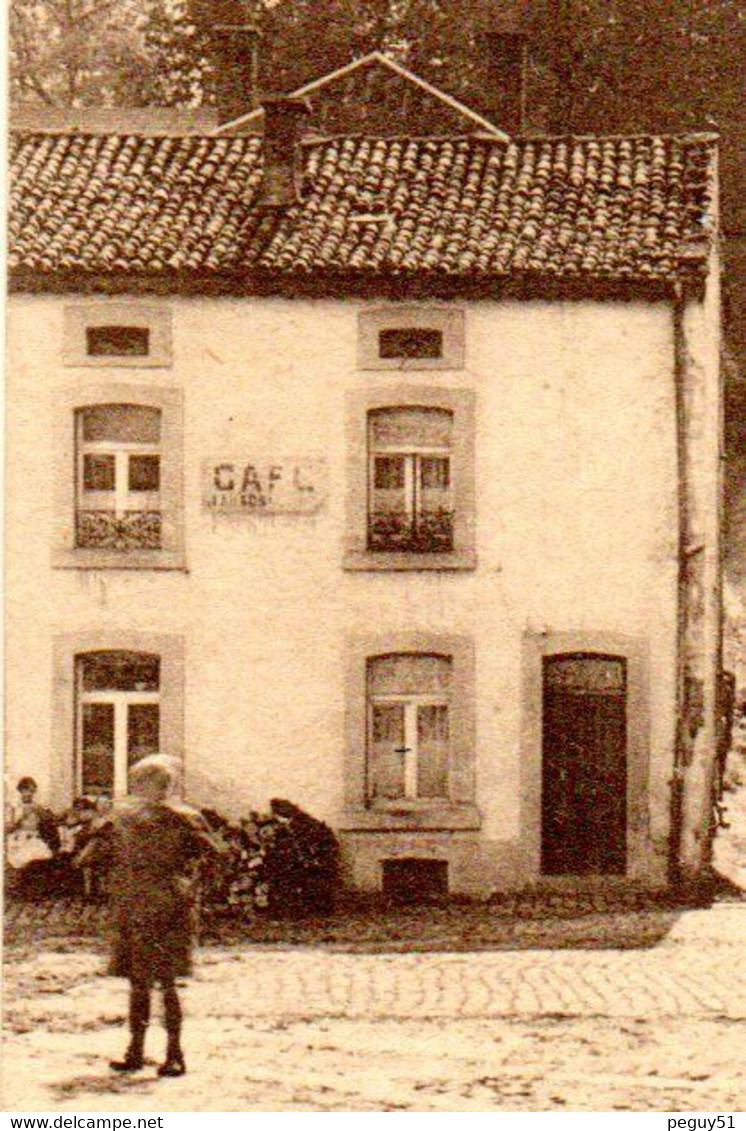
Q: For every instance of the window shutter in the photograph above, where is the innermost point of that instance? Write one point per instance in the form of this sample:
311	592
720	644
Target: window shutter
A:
432	751
386	763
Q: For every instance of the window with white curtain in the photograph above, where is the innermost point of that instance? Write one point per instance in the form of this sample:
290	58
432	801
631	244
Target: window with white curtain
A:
118	708
409	699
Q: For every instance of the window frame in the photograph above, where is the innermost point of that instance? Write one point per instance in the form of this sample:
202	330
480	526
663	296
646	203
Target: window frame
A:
68	403
461	404
79	319
411	453
410	704
123	497
449	321
93	335
120	701
456	811
67	647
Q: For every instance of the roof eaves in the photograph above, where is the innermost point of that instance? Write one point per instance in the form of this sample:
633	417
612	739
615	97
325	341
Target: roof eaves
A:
348	283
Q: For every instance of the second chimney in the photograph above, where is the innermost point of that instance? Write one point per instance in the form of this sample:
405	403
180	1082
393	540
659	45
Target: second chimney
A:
506	63
280	179
234	40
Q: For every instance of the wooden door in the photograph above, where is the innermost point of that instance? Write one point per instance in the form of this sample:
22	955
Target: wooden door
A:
584	765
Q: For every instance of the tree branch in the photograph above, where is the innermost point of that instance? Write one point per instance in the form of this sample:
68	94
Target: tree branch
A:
30	80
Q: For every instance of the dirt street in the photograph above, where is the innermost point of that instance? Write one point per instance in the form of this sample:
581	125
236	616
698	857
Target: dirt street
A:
301	1030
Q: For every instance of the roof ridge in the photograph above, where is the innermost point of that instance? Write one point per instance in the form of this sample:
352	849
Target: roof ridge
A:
325	139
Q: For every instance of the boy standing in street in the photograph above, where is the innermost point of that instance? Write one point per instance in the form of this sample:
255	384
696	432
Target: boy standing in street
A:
150	843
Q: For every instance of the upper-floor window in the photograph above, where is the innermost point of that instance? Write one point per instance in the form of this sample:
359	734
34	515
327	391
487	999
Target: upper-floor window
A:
409	700
410	341
118	718
410	478
410	492
118	453
118	341
411	337
110	334
118	503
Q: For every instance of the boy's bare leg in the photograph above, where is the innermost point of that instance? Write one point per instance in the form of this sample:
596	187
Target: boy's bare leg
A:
139	1018
174	1064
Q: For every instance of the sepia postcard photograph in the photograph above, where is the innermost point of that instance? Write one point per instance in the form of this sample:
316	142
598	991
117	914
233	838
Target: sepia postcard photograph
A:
375	559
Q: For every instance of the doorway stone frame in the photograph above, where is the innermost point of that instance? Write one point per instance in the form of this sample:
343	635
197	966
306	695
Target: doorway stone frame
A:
537	645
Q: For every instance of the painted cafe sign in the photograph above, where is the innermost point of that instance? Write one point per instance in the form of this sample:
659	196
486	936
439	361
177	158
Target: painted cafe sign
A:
255	487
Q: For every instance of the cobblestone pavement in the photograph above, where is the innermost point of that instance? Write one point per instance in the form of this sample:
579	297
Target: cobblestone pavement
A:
658	1029
674	979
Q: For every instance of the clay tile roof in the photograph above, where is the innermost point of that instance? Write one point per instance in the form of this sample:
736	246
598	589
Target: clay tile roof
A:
622	209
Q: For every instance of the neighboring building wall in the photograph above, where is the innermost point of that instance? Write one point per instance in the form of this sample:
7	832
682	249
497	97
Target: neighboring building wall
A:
576	532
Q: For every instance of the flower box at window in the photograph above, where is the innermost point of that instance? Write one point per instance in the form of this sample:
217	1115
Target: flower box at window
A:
118	497
409	733
410	499
118	718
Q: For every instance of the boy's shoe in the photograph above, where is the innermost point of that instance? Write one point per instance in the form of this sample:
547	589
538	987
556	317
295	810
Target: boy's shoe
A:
129	1064
174	1066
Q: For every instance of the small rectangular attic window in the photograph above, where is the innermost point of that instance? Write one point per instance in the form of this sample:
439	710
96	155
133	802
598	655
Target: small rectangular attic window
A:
411	337
410	341
117	341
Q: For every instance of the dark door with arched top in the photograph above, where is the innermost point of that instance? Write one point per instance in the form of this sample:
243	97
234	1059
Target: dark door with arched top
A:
584	764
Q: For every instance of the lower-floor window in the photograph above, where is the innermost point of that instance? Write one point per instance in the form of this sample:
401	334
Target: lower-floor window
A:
408	726
118	718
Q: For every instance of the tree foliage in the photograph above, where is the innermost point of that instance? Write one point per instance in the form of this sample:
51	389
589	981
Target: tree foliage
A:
634	64
104	53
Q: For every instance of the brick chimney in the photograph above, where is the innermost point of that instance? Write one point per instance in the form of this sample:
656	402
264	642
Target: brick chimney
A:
282	131
503	39
234	38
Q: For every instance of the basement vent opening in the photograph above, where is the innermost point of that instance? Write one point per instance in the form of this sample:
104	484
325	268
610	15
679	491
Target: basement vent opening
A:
414	880
410	341
117	341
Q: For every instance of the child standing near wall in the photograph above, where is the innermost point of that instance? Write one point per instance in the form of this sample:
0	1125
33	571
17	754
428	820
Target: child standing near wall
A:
32	835
150	843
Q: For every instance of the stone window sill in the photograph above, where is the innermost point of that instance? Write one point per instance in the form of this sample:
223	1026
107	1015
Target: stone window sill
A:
412	816
381	560
118	559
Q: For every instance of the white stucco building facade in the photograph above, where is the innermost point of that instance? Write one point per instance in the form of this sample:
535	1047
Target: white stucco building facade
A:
420	560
